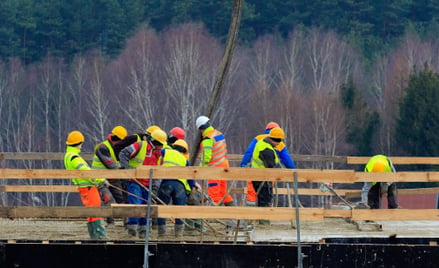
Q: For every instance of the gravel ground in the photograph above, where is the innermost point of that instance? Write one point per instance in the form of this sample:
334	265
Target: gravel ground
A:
29	229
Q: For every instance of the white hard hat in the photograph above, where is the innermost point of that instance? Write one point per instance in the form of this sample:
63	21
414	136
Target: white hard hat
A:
201	120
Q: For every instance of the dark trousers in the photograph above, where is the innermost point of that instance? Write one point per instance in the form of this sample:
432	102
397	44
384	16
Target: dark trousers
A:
264	190
120	196
374	196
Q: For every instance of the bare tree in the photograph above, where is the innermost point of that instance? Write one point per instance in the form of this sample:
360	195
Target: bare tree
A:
191	58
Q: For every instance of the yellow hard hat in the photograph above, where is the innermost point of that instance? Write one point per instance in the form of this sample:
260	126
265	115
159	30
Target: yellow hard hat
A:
276	133
151	129
75	137
182	143
159	135
379	165
120	132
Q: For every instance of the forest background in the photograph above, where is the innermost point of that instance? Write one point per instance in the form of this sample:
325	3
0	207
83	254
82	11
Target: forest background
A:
341	77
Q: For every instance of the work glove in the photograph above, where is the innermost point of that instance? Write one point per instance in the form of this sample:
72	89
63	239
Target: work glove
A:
106	183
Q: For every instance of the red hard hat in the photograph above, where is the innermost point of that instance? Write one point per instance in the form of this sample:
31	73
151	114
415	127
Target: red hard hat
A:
271	125
178	132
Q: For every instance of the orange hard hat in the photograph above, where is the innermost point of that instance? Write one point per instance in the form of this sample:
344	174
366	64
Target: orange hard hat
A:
271	125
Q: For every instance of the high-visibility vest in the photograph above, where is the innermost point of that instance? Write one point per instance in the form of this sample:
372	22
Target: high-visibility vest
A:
219	148
137	160
78	163
173	158
259	147
97	163
371	163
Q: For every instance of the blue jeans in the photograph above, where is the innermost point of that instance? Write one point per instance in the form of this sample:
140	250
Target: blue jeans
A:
172	190
139	191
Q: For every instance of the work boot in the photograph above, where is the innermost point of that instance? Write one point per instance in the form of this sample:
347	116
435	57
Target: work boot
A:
141	231
91	231
132	230
178	229
97	230
162	230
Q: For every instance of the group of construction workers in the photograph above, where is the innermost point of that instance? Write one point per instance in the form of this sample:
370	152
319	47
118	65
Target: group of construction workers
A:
156	147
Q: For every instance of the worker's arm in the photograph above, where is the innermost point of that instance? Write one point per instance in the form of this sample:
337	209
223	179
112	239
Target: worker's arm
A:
80	164
284	156
267	156
127	153
247	157
103	153
206	156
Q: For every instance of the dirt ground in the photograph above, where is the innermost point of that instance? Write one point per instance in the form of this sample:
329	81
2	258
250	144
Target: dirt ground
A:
76	230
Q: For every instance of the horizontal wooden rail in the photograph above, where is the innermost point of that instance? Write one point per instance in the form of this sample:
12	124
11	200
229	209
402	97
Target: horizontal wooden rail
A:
71	188
231	173
210	212
89	156
351	160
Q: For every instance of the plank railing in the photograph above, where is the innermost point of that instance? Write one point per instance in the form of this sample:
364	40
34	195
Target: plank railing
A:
350	160
208	212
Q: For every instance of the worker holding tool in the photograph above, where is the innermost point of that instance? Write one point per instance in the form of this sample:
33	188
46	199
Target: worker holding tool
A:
87	188
130	139
176	190
214	154
144	152
281	151
381	163
265	156
105	158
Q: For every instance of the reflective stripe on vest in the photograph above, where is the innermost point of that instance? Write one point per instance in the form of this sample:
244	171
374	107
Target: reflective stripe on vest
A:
140	156
173	158
97	163
219	148
78	182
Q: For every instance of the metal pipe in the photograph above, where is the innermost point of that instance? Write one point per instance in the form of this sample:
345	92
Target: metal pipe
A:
299	246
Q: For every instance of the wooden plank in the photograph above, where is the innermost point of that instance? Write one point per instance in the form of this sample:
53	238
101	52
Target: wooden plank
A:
248	174
74	212
232	173
397	177
396	160
59	156
417	191
337	213
395	214
37	188
243	213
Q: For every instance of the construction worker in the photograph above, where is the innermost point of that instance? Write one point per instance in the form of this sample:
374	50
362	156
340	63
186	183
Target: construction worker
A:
381	163
176	190
105	158
281	151
136	154
177	133
87	188
265	156
130	139
214	154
